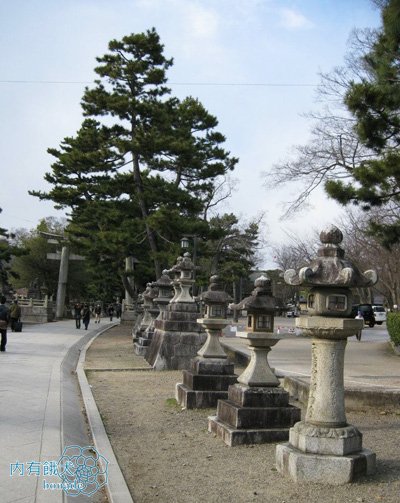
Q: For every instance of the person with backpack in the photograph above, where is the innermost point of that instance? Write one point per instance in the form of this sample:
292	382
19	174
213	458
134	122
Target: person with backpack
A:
4	319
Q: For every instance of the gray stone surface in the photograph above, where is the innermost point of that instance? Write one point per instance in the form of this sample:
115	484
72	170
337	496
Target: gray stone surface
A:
317	468
41	411
233	437
197	399
329	441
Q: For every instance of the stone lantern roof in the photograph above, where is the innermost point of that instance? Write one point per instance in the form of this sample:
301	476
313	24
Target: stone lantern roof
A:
164	281
215	294
330	268
150	293
186	264
261	298
176	268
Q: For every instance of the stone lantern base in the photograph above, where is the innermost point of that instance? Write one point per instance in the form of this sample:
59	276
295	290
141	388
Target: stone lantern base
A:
324	455
254	415
142	344
176	339
205	383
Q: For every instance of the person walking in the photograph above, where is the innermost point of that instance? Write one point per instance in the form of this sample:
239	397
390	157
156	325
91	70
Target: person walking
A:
4	319
15	314
78	313
110	311
97	312
86	316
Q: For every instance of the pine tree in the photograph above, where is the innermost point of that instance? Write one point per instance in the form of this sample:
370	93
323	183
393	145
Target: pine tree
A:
145	162
375	104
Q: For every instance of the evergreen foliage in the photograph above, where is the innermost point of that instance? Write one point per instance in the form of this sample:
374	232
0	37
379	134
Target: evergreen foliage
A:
374	102
143	167
393	326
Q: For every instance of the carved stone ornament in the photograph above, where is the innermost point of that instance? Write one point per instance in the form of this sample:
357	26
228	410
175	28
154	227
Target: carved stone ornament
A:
330	267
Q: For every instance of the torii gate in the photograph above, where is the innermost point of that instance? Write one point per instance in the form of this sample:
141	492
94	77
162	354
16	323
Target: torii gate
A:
64	256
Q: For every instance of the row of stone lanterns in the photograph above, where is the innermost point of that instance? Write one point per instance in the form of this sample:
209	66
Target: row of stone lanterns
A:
255	409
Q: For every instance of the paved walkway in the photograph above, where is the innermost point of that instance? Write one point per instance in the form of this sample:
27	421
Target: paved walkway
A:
40	411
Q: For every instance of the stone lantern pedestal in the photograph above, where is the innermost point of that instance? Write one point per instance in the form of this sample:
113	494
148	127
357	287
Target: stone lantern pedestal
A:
177	336
210	373
257	410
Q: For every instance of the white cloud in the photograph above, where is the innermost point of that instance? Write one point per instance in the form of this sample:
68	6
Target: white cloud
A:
201	23
294	20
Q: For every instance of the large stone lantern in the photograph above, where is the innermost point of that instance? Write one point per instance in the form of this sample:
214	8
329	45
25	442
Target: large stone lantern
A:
146	329
164	288
257	409
186	280
325	448
210	373
175	272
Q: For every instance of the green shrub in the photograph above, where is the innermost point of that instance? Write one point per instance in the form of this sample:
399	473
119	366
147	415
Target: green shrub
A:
393	326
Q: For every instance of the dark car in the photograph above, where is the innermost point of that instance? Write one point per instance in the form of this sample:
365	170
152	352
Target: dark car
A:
367	313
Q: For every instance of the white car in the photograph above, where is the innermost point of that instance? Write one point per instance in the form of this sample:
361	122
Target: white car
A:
380	314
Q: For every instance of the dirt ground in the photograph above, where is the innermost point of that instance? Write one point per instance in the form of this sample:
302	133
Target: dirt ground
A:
167	455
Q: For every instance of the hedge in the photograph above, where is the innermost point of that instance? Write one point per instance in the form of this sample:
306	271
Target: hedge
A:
393	326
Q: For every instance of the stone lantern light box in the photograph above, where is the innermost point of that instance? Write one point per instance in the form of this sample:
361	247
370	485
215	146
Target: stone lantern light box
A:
215	300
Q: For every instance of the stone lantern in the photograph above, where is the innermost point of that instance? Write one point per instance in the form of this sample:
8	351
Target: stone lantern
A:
146	328
175	273
210	373
164	287
177	336
186	280
325	448
257	409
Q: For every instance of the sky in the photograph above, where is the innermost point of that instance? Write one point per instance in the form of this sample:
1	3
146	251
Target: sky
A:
254	64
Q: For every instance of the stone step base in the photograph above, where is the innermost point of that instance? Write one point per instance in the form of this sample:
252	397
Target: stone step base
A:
249	396
144	341
323	469
191	399
257	417
201	382
233	437
140	350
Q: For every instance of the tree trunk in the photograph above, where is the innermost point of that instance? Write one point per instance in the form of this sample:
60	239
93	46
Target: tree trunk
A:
143	208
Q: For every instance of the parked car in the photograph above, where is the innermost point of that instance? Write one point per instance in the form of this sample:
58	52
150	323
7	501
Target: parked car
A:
367	313
379	313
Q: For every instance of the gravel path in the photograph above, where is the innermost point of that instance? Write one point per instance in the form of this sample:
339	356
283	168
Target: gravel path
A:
167	455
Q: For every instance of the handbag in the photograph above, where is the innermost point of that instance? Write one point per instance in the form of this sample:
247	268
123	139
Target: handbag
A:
3	324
